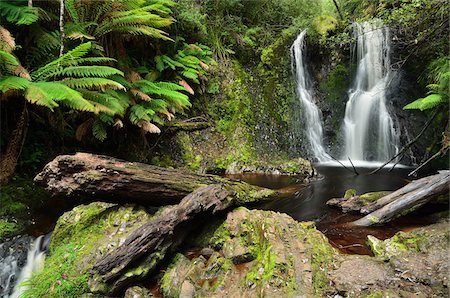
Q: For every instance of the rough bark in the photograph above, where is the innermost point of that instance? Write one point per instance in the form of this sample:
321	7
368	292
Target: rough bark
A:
103	178
406	199
8	160
162	233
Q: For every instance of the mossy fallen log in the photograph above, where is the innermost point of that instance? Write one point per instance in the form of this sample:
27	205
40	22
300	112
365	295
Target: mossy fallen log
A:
98	177
113	180
406	199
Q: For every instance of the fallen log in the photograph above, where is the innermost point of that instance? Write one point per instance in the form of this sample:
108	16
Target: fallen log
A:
103	178
406	199
163	233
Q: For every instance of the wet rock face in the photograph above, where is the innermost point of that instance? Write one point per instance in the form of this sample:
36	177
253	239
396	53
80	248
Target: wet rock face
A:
256	253
13	256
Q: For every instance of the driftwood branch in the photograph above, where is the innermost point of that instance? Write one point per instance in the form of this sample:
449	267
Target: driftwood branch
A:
406	199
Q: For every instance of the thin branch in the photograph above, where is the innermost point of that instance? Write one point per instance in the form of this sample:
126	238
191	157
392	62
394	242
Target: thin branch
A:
341	163
439	153
354	170
407	145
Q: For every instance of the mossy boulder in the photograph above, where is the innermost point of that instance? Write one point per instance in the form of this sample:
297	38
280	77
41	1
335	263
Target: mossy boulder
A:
351	202
257	253
81	237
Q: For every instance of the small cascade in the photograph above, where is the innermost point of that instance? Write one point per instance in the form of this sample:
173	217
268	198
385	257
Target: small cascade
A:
311	113
14	270
368	127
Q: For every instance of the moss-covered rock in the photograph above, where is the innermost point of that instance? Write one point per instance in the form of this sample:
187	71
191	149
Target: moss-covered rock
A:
81	237
258	253
8	229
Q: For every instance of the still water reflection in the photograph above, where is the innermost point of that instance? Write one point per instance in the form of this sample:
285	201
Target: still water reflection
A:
307	202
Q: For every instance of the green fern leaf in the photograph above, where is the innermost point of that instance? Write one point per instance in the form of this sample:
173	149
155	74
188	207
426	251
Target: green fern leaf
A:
17	14
92	83
138	113
49	93
99	130
89	71
13	83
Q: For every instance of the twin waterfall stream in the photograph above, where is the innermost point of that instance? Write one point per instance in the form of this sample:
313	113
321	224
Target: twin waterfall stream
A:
368	128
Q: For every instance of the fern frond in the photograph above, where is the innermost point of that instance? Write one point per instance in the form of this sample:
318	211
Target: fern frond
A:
49	93
426	103
70	58
144	30
13	83
138	113
170	86
99	130
8	61
113	104
17	14
92	83
7	42
89	71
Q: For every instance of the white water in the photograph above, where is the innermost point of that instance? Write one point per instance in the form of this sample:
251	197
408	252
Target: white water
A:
311	113
369	129
35	263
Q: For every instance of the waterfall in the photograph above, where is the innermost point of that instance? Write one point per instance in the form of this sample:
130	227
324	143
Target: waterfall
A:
10	262
311	113
368	127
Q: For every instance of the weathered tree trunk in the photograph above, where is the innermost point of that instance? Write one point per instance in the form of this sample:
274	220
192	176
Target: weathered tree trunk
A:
8	160
103	178
406	199
161	234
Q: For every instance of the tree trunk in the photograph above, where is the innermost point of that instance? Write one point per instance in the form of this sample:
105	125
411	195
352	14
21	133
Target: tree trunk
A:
9	160
61	27
162	234
406	199
103	178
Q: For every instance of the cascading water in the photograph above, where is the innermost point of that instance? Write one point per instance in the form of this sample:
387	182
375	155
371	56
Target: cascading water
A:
304	92
14	269
369	129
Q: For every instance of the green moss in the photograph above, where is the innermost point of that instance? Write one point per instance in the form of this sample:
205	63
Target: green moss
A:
376	294
400	242
79	237
19	194
8	229
349	193
372	196
321	260
373	219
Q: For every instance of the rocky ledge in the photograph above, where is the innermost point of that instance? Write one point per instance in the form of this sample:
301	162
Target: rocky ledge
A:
250	253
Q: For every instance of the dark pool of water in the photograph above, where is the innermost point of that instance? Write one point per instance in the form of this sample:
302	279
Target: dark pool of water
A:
308	203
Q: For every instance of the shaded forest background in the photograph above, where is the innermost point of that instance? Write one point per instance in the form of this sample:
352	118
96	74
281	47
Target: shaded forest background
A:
202	84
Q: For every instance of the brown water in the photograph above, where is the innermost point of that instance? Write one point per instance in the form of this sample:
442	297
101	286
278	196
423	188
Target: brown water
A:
307	202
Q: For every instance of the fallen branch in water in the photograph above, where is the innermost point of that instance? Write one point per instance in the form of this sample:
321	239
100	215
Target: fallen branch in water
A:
406	199
407	146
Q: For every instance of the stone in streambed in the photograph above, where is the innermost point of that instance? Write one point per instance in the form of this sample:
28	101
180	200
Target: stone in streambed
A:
351	202
258	253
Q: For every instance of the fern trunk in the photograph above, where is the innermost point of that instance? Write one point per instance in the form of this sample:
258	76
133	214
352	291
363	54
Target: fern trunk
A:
9	160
